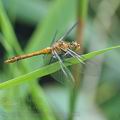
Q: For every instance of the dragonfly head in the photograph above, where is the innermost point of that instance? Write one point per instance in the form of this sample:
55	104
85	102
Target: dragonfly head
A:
75	46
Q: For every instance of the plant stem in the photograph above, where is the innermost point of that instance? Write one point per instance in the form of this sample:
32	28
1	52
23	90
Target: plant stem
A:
82	6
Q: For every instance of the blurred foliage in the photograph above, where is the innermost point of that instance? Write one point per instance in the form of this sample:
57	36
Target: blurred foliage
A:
98	97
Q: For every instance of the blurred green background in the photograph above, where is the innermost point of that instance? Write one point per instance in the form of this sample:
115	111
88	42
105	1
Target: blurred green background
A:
29	25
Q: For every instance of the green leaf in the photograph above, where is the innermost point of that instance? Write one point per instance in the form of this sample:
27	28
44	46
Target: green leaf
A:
51	68
7	30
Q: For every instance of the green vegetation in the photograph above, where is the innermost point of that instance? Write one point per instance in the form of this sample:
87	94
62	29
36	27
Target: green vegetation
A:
22	97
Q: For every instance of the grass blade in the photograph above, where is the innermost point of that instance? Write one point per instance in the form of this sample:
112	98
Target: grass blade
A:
51	69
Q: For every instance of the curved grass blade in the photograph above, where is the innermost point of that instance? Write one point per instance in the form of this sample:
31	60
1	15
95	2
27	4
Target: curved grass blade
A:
49	69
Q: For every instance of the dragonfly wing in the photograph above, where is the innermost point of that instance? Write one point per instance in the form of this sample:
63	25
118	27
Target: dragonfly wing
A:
75	55
64	69
54	38
66	34
79	57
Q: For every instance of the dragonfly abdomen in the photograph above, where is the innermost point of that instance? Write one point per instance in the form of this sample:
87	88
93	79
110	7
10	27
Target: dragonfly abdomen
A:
20	57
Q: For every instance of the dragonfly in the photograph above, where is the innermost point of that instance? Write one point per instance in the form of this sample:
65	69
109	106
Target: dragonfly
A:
59	49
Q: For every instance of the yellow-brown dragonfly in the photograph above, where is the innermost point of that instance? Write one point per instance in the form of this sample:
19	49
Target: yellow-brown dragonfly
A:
58	48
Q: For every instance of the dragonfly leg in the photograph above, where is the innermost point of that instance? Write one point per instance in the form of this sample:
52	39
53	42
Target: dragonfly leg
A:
66	54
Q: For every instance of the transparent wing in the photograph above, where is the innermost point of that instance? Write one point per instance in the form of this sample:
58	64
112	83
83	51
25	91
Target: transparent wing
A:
65	70
54	37
75	55
48	58
66	34
79	57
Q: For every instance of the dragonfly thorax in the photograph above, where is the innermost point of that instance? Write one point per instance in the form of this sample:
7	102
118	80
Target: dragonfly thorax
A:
62	46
